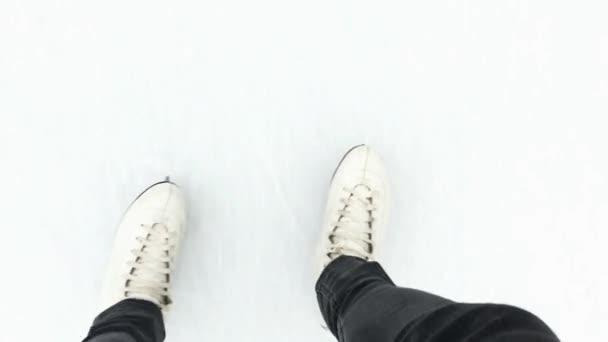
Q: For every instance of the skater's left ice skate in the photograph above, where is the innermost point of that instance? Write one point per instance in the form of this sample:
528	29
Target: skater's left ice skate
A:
145	247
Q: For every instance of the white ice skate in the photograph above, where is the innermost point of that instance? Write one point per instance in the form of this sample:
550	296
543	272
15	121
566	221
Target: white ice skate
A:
145	247
356	209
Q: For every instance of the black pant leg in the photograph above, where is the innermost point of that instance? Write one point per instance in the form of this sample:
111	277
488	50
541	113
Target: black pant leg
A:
112	337
360	303
130	320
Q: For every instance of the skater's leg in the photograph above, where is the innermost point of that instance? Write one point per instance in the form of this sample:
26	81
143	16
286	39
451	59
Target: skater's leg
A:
360	303
347	281
130	320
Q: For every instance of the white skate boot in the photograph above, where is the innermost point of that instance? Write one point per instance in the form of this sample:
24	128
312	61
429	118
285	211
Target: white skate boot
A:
356	209
145	247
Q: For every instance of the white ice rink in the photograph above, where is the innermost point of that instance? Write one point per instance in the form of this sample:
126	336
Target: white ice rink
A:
492	117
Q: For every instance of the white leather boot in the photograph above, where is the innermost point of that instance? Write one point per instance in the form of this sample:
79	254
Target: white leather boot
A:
356	210
145	247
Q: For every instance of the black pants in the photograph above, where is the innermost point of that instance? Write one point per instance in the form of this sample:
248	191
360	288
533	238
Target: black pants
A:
360	303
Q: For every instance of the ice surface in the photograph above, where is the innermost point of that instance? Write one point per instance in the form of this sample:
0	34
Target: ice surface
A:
491	117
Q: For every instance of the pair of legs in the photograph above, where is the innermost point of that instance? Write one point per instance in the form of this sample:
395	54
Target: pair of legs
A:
358	300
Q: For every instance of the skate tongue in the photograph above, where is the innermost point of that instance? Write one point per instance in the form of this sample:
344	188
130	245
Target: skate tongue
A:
354	249
146	274
141	296
354	229
358	209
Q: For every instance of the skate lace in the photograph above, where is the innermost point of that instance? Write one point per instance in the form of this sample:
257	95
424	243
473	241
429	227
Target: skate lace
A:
151	269
352	233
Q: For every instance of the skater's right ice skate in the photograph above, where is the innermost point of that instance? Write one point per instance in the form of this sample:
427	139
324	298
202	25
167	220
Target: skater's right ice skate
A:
356	209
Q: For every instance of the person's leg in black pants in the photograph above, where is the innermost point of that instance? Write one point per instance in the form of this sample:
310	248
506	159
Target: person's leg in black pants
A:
360	303
130	320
